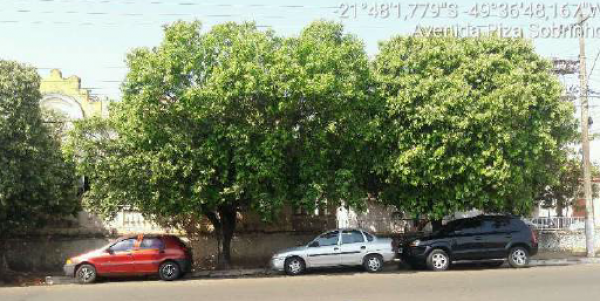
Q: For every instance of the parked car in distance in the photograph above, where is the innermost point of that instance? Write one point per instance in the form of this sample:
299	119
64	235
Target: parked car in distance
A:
164	255
340	247
479	238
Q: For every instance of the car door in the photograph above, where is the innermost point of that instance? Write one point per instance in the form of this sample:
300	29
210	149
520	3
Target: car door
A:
353	247
324	251
121	257
102	262
496	235
149	254
467	240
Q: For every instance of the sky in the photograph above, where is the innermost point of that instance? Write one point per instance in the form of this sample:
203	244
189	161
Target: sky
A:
90	38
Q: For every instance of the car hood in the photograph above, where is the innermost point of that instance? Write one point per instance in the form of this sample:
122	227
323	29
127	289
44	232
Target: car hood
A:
88	255
291	250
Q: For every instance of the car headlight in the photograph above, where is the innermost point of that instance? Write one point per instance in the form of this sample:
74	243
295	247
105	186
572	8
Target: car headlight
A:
415	243
69	261
278	256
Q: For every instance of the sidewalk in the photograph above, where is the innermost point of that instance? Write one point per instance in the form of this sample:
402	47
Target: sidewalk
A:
232	273
562	259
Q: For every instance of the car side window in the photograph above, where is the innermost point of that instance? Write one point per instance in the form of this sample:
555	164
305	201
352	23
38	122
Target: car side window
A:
369	236
452	226
472	226
517	225
328	239
125	245
151	243
496	225
352	237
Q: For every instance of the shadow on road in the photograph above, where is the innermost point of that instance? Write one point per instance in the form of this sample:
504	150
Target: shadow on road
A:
388	269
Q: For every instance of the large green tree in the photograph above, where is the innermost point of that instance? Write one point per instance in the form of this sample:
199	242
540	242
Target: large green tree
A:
234	119
37	183
468	123
569	187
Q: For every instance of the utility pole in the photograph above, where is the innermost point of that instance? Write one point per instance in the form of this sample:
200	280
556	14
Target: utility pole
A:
585	143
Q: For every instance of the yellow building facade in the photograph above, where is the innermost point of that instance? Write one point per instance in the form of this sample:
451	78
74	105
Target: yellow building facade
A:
66	96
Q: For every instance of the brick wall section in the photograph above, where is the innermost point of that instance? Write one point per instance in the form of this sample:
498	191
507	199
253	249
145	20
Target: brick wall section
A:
49	253
566	241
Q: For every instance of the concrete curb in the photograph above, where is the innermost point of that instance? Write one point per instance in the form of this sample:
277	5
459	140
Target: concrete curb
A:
563	262
234	273
230	273
239	273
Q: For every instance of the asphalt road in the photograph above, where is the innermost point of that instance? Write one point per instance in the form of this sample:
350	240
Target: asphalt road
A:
543	283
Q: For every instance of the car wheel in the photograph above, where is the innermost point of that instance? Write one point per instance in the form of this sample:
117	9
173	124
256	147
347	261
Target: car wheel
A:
373	263
294	266
518	257
169	271
438	260
85	274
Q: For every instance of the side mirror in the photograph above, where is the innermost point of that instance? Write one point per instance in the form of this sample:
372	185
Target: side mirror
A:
313	244
110	251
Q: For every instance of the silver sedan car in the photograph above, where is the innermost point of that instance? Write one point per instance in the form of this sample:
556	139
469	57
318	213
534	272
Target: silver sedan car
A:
340	247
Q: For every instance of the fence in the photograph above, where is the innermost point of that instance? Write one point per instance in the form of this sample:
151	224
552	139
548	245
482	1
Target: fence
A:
134	222
386	225
400	226
558	223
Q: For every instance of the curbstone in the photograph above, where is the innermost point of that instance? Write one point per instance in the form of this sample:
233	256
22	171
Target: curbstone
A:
563	262
238	273
231	273
57	280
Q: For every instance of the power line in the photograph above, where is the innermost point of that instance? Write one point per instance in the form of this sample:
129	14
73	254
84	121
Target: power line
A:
241	6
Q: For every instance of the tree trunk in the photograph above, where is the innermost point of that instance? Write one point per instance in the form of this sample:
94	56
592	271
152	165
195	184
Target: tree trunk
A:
436	224
559	208
224	221
228	220
4	269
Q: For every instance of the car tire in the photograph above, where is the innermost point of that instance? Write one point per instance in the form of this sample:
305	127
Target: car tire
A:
86	274
373	263
518	257
438	260
294	266
169	271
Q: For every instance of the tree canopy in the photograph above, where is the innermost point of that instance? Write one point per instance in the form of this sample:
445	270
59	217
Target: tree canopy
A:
469	123
228	120
37	183
237	119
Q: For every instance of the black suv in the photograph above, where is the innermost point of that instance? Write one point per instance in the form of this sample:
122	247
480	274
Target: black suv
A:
478	238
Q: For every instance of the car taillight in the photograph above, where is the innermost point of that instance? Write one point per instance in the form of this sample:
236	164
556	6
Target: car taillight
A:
534	238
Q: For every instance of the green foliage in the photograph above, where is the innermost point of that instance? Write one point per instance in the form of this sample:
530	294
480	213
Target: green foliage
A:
468	123
231	119
568	188
37	183
240	119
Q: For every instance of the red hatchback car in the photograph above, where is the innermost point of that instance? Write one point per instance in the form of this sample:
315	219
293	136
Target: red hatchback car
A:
165	255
